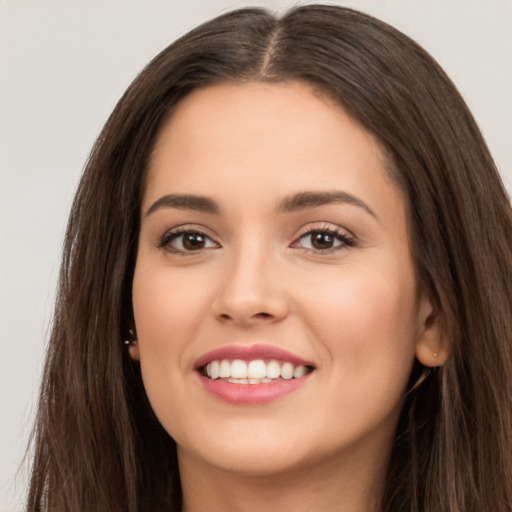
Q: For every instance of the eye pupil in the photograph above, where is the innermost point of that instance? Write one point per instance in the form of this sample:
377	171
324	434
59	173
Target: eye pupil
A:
193	241
322	240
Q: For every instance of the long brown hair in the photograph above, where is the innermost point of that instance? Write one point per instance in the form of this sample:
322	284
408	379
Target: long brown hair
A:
98	445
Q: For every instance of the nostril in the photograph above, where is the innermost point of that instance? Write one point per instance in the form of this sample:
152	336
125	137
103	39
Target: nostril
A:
263	315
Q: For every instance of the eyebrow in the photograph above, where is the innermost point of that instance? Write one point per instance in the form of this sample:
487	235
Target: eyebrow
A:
305	200
299	201
185	202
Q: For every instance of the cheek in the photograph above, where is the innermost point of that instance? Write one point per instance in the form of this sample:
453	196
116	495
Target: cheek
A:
367	321
167	305
367	326
167	310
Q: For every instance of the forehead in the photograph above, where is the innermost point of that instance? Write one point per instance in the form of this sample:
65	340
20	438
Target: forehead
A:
271	137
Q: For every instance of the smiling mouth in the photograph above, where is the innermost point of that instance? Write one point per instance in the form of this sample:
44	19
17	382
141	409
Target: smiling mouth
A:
255	371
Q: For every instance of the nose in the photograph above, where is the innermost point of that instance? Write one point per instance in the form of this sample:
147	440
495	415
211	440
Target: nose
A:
251	291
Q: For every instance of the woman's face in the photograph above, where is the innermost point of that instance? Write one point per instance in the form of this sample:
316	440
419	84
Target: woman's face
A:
274	242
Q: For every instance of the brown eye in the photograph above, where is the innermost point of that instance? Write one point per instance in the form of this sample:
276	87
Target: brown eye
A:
322	240
187	241
193	241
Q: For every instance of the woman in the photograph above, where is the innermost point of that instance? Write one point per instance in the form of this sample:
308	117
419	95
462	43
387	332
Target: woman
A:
285	285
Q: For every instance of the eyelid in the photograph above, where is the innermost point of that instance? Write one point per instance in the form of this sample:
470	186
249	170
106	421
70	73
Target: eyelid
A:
348	238
176	231
342	234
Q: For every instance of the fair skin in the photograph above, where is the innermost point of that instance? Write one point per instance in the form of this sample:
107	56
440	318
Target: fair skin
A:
327	277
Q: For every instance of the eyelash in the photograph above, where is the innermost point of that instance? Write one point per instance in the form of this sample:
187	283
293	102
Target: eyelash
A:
345	240
174	234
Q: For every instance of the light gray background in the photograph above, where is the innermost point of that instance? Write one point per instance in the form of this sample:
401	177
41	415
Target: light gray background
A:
63	65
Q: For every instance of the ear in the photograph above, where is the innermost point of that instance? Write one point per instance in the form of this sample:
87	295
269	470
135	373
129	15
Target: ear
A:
133	345
133	350
432	347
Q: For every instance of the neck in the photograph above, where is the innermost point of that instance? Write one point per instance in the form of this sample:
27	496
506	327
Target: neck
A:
349	485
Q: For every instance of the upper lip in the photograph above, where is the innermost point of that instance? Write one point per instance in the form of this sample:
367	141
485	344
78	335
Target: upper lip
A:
250	352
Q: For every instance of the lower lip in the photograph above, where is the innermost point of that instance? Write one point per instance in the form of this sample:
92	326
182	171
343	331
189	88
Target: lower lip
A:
252	394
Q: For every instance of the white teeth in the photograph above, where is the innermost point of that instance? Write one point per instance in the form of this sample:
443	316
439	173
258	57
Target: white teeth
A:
257	369
214	368
253	372
287	371
239	381
249	381
238	369
224	369
273	369
299	372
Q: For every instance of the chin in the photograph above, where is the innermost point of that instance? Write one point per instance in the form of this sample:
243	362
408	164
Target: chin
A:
251	460
253	451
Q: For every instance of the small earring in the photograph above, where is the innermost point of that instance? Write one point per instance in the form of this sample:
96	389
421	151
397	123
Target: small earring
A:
435	354
130	342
